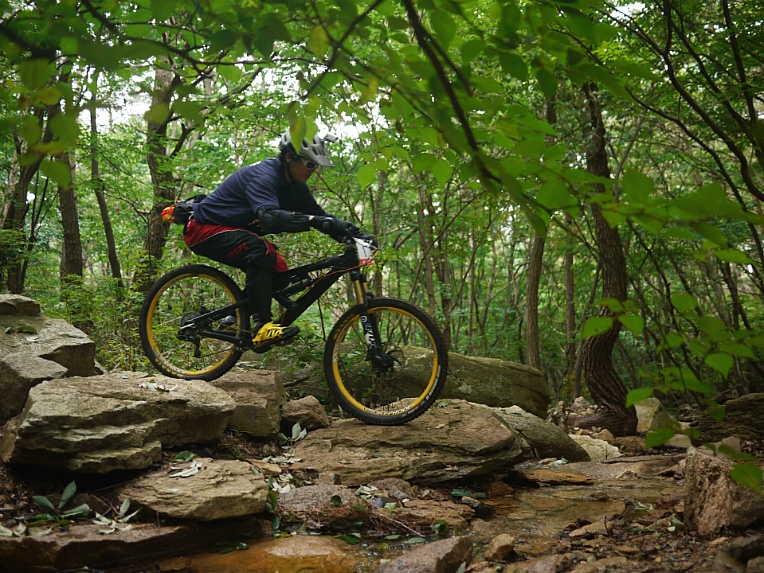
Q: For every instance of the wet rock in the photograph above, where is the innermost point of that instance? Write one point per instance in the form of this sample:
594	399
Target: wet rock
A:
549	564
258	396
201	490
713	499
444	556
422	514
313	501
446	443
70	548
116	421
298	553
500	547
308	412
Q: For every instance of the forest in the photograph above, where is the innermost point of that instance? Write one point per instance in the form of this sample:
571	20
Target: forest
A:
575	185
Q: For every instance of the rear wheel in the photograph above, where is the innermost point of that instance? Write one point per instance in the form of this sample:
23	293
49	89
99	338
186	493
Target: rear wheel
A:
171	335
395	380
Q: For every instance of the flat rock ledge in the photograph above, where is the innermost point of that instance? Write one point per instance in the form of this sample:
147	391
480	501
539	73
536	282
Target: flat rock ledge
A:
453	440
116	421
202	490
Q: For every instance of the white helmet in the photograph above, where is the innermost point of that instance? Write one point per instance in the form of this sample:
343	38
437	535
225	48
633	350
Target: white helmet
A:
312	150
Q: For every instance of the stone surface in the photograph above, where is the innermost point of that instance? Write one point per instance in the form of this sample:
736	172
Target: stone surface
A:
444	556
496	383
651	415
116	421
713	500
742	418
34	348
258	395
308	412
541	439
450	441
453	440
70	548
219	489
597	449
500	547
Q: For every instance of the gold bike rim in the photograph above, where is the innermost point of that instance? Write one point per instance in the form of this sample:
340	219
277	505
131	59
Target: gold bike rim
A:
419	399
150	329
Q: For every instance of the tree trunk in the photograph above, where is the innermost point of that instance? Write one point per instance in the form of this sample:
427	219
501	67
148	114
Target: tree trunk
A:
161	177
605	385
535	260
95	177
71	251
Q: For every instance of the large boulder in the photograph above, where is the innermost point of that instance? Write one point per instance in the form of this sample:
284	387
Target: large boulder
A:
713	500
453	440
496	383
34	348
115	421
742	418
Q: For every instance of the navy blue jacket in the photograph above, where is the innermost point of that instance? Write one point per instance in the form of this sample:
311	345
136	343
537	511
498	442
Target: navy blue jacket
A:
238	198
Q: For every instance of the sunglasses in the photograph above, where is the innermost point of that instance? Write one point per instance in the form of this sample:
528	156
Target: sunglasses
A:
309	165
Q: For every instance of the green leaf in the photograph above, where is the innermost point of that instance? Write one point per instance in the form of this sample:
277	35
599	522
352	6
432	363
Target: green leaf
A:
68	494
632	322
658	437
162	9
748	475
547	82
318	41
732	256
442	171
637	395
597	325
35	73
157	114
65	127
44	503
367	174
555	195
57	171
720	362
683	302
637	188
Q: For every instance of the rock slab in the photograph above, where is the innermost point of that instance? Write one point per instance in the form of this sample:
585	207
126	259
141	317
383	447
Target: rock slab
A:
201	490
116	421
34	348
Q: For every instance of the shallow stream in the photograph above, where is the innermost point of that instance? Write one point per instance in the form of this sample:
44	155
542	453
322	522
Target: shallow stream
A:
534	506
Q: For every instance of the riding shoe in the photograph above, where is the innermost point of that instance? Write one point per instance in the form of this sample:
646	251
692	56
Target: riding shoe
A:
271	334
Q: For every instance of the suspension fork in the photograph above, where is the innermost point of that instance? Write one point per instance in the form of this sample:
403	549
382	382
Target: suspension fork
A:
375	353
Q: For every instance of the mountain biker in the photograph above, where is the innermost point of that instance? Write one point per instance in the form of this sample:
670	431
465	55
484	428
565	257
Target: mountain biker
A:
267	197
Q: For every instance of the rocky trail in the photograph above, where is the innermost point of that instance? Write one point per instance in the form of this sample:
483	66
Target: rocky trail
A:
126	472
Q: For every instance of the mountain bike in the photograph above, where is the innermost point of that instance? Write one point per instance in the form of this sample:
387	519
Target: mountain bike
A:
385	360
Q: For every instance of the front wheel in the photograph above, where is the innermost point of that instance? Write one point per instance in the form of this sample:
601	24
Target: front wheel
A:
174	337
385	362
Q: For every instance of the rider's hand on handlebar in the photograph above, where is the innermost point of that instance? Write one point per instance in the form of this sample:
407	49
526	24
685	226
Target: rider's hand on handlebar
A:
337	229
368	238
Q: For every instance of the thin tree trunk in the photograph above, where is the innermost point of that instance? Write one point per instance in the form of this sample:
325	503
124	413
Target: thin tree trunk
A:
535	260
95	177
605	385
71	252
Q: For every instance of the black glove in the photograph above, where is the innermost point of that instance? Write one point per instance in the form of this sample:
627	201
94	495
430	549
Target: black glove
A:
367	237
337	229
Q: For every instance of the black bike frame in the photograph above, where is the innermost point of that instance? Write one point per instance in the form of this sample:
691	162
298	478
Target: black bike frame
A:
289	283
